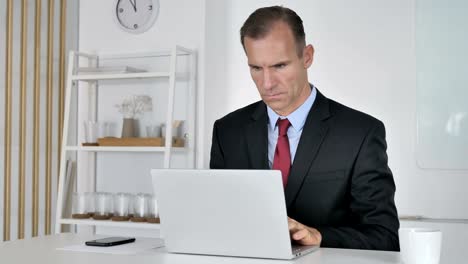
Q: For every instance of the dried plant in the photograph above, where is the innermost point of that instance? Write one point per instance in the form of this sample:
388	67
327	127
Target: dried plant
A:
134	105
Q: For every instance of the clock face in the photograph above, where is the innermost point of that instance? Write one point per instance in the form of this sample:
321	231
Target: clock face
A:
136	16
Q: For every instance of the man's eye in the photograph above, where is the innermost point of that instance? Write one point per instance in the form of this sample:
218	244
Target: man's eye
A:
255	68
280	66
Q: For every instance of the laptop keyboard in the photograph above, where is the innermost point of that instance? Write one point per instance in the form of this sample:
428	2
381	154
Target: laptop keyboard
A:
296	249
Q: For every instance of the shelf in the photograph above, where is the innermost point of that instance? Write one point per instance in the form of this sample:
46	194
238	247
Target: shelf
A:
114	76
123	71
181	51
108	223
123	149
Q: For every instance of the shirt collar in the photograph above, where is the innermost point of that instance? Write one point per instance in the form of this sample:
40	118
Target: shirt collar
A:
298	117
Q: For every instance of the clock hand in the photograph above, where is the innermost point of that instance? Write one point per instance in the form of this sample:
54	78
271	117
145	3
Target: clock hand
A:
133	3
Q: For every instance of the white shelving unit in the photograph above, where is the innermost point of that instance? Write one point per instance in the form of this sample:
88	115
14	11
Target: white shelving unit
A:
76	59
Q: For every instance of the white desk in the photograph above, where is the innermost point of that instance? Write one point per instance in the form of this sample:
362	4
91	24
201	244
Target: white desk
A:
43	250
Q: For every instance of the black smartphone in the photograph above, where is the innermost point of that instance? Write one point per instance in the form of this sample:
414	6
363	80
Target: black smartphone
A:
110	241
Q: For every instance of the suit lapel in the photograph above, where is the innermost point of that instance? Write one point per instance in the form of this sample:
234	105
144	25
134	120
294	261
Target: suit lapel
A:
313	133
256	133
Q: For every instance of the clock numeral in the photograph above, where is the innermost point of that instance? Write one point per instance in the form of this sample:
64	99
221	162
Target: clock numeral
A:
121	10
135	26
150	7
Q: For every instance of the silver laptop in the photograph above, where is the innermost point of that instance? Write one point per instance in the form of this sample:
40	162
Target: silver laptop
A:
224	212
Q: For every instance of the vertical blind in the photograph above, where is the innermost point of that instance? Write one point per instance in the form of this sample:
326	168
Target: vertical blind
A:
34	39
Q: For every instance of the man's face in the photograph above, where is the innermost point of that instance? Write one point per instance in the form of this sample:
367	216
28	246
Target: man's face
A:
278	72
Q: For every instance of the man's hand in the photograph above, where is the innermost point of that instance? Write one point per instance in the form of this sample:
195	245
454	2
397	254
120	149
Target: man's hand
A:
304	235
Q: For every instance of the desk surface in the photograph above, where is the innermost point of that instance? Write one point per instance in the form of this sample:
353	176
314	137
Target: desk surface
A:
43	250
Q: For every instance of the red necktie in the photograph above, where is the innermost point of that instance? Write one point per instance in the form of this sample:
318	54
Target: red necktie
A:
282	159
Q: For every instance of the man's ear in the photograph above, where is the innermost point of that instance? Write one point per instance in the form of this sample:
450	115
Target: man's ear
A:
308	55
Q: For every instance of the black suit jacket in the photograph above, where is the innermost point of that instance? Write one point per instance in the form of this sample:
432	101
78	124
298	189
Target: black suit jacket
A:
339	182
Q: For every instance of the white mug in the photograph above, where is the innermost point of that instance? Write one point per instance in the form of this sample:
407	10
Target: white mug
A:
420	245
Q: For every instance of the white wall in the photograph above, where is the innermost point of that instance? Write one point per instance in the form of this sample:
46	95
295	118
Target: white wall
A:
217	69
179	22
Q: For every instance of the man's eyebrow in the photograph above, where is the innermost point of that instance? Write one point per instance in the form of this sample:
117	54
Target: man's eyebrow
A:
273	65
281	63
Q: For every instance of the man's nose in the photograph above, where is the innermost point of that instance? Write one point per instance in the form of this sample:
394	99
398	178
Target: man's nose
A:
268	79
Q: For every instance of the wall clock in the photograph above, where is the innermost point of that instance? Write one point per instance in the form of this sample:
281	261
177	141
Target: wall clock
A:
136	16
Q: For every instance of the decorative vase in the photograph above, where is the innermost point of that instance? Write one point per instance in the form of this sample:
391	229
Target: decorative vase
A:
128	127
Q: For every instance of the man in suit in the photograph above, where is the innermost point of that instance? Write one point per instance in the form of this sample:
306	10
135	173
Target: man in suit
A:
339	189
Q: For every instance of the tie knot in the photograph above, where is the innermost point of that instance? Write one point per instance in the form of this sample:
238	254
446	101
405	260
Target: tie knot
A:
283	125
